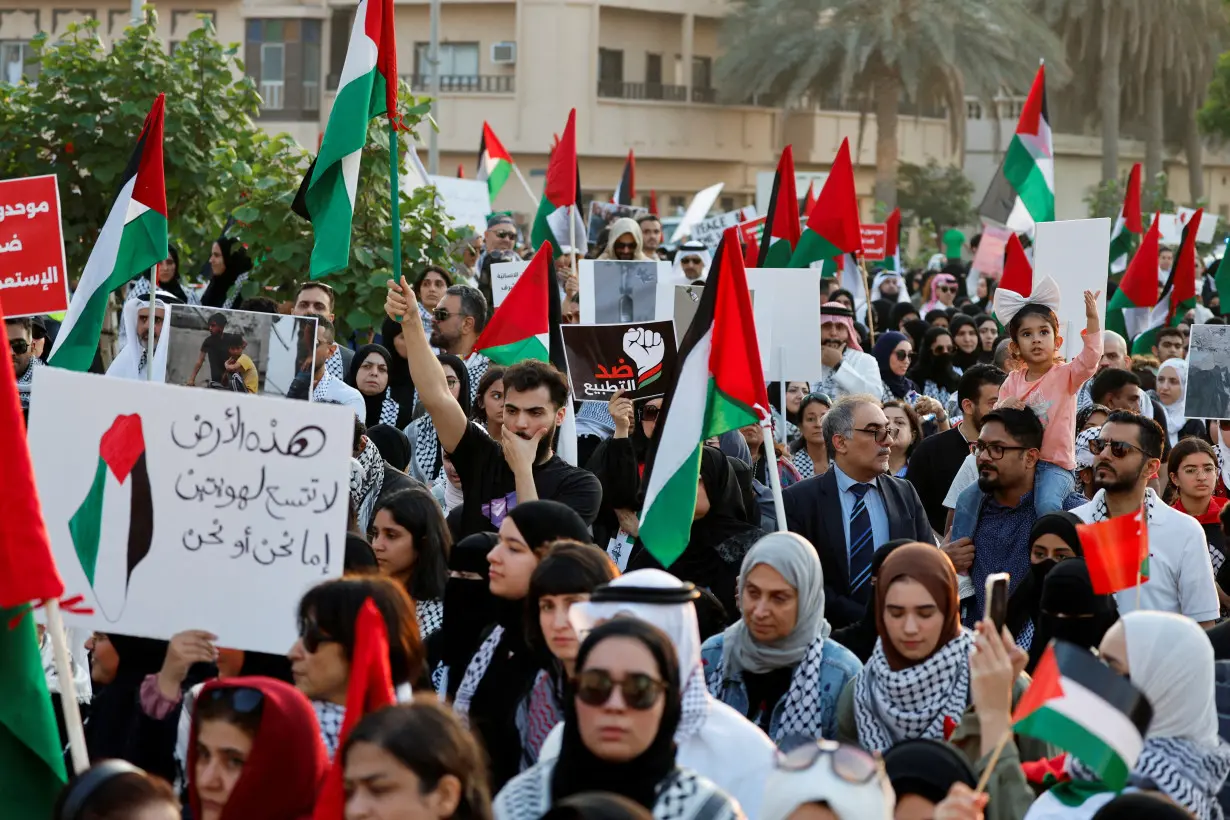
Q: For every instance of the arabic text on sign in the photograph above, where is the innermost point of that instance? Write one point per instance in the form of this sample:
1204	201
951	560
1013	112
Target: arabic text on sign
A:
46	278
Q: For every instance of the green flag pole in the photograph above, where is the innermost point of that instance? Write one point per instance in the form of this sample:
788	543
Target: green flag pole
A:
395	196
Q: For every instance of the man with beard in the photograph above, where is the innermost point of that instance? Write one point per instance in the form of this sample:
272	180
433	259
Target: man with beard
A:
993	518
846	369
651	235
853	509
459	320
133	360
1125	455
522	466
318	299
25	361
939	458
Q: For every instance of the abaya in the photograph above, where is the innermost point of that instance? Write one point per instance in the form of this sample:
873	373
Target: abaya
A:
223	288
934	374
113	728
1024	604
1070	610
469	607
381	408
899	386
960	359
401	386
618	464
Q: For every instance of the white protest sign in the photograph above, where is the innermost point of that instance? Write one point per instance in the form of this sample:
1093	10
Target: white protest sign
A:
792	298
1075	253
1208	224
697	210
466	201
1170	229
710	229
170	508
503	276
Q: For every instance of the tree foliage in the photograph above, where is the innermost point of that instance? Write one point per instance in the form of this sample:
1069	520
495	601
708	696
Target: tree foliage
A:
935	197
81	119
1106	198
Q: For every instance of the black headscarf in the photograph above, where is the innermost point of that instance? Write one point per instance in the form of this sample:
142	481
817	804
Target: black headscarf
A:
986	356
937	369
236	263
400	383
463	375
900	311
580	770
900	386
1068	591
174	286
469	607
393	444
960	358
112	730
374	403
927	768
1133	806
1024	604
544	521
916	329
701	563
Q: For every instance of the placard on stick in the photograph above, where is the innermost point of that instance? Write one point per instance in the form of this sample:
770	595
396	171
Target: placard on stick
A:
791	298
1208	378
637	358
503	276
617	291
1076	254
33	271
171	509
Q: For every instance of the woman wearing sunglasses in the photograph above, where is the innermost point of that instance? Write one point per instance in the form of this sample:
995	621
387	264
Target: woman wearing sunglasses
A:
254	751
933	371
894	351
619	463
823	780
426	454
774	665
618	736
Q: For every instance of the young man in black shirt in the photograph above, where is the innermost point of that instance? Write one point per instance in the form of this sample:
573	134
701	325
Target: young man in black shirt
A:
213	346
521	466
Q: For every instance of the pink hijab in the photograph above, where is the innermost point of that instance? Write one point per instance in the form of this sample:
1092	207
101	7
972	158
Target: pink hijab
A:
837	313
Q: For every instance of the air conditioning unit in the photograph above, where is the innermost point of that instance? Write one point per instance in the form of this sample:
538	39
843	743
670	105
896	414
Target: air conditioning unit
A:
504	53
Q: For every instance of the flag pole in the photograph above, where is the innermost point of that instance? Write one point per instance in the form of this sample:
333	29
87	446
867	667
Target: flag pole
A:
572	235
871	327
529	191
775	479
395	196
152	326
990	767
781	359
68	691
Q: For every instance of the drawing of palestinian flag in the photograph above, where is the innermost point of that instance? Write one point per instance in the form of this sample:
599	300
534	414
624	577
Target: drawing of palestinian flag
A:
494	162
132	240
1022	193
1128	226
1077	703
833	225
1116	552
119	493
781	224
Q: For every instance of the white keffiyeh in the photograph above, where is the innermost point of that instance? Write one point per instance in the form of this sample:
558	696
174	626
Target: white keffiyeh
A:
366	481
1008	303
26	382
911	703
330	716
428	463
236	292
333	364
389	409
430	616
474	675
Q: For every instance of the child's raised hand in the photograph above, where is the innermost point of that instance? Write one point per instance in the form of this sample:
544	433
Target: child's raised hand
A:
1091	303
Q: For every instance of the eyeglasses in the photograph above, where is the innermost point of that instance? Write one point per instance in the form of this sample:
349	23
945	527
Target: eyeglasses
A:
442	314
903	355
243	699
650	413
881	435
505	234
940	351
451	381
313	636
19	346
1118	449
995	451
639	691
850	763
946	288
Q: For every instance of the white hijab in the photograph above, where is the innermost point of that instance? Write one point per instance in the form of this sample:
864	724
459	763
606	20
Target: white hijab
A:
1171	661
1176	413
127	363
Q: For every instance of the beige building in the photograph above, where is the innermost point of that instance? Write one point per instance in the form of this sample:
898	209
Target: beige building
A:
639	73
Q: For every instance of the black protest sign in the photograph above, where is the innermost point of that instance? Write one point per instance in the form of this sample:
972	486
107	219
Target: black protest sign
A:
635	357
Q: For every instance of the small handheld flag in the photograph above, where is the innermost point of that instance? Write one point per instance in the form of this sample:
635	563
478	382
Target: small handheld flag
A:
1116	551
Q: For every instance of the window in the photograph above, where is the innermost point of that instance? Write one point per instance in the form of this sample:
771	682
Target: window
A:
702	72
283	58
15	56
610	72
653	76
456	60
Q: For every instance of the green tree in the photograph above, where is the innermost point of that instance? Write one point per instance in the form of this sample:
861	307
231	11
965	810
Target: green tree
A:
934	197
80	121
879	52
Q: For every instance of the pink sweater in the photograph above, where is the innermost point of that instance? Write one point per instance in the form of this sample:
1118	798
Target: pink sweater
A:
1053	398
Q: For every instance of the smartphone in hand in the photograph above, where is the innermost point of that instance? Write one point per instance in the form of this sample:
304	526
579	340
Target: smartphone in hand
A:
997	599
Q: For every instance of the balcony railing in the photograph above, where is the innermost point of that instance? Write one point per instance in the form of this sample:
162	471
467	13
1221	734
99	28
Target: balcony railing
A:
464	83
704	95
618	90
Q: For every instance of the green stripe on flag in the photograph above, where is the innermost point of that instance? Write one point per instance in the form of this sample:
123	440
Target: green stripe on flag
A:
812	247
779	254
540	231
667	524
1076	740
507	355
85	526
1022	170
1114	312
723	414
497	178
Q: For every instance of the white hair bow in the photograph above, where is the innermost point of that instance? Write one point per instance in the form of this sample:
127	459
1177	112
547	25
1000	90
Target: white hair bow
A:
1008	303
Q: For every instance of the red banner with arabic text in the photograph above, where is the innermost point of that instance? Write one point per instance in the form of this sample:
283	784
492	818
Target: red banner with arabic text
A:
33	275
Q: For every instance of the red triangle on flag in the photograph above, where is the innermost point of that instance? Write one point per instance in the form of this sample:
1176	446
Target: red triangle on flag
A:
523	313
150	186
1046	686
1018	275
835	215
1031	113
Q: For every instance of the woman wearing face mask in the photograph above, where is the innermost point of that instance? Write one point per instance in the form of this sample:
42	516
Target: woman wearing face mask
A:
774	665
932	370
966	346
619	464
426	456
369	374
503	669
619	731
795	391
229	267
568	575
1053	539
411	545
248	734
469	608
1069	610
894	351
414	762
907	433
810	456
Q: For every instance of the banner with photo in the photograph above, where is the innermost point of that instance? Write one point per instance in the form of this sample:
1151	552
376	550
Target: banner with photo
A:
1208	378
602	214
637	358
616	291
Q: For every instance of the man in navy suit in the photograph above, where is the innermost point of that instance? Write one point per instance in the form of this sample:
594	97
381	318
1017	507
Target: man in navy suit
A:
854	508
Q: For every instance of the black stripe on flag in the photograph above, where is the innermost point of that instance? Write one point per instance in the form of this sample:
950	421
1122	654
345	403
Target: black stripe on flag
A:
1080	665
141	518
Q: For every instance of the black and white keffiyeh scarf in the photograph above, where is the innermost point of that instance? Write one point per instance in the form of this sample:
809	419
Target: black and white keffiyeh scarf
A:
474	675
237	290
430	614
427	454
389	408
695	707
26	382
321	391
329	716
912	703
333	364
1189	773
366	481
801	711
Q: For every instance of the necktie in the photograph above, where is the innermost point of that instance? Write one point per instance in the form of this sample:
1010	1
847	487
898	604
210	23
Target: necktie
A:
862	546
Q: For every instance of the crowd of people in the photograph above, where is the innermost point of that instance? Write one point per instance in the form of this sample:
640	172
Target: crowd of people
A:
835	664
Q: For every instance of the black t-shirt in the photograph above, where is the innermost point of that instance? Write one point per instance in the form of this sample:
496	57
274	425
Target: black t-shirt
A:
215	348
489	488
932	468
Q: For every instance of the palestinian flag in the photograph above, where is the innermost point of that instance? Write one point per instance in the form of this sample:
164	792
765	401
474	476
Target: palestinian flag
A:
719	386
1116	552
132	240
1178	295
561	198
31	760
810	201
367	88
526	325
1018	275
1022	192
892	245
833	225
109	562
1128	226
653	201
494	162
1128	311
781	224
625	192
1078	704
369	690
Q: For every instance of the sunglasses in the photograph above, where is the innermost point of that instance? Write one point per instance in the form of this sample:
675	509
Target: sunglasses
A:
945	288
242	699
650	413
850	763
940	351
19	346
625	246
442	314
1118	449
638	690
506	234
313	636
903	355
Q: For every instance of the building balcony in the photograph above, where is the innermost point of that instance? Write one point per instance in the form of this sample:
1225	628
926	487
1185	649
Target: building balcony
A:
453	83
616	90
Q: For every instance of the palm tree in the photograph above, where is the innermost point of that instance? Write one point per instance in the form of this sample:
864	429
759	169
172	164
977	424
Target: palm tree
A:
881	51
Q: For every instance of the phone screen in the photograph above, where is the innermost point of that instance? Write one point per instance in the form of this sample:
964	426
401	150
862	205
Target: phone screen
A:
997	598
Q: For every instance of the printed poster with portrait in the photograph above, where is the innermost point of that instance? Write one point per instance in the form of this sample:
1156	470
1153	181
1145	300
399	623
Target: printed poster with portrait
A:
637	358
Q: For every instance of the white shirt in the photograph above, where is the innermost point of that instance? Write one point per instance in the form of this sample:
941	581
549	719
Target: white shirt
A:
967	475
337	391
859	373
1180	571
